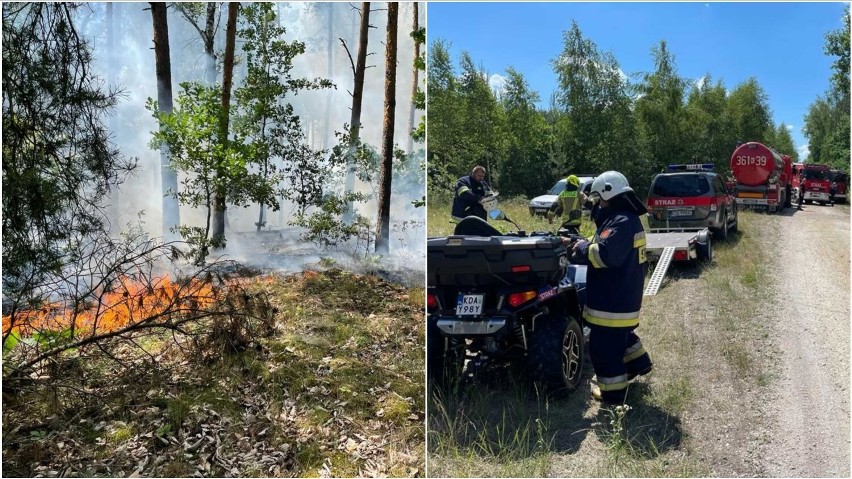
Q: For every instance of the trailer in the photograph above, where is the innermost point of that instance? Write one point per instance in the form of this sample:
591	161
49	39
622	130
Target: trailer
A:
667	245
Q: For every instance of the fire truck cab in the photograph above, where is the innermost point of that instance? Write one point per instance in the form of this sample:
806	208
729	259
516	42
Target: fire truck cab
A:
813	181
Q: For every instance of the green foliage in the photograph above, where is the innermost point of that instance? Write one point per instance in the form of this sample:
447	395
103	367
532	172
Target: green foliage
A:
58	165
268	156
326	228
277	145
827	120
708	125
596	121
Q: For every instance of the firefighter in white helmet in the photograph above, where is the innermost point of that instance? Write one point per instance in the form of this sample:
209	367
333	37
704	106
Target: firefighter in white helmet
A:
614	285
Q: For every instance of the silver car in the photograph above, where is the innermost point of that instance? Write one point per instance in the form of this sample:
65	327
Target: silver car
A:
540	205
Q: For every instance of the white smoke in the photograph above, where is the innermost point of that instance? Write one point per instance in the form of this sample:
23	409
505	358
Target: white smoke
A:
132	69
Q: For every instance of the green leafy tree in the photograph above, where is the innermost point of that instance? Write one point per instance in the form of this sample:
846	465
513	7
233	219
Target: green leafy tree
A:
660	117
600	132
58	164
193	137
827	120
709	131
266	121
444	122
527	135
483	123
748	109
783	142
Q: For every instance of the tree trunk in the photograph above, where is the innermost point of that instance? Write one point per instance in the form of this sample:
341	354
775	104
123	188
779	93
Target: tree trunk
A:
357	96
227	78
328	96
171	211
383	226
414	82
208	37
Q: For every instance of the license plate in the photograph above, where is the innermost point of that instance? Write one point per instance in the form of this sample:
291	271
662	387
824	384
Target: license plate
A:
469	304
541	210
679	213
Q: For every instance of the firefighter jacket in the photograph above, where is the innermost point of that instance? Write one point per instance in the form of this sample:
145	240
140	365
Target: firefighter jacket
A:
466	199
617	265
571	201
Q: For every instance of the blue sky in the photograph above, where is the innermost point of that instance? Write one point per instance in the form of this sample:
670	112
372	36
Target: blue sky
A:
780	44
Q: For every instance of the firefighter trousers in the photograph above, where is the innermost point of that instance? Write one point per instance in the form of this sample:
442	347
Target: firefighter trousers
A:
617	357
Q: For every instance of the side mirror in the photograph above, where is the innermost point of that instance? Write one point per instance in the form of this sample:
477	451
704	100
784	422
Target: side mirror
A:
497	214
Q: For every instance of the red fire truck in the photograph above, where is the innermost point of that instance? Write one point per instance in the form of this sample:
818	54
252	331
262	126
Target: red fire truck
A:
813	181
763	176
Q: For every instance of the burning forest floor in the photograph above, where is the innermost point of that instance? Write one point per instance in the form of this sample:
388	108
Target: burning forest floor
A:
332	386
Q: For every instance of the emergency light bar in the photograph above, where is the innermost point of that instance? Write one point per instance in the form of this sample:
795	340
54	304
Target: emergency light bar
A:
693	167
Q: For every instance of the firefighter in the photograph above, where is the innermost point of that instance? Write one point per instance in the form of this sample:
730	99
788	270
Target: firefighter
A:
801	190
570	202
614	283
470	191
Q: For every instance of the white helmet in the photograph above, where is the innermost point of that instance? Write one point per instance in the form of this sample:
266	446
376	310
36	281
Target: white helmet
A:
610	184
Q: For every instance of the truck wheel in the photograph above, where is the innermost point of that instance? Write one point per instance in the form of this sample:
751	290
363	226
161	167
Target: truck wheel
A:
443	367
822	203
555	357
704	247
807	202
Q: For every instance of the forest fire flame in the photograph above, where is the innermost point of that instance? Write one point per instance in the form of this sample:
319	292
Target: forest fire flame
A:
126	303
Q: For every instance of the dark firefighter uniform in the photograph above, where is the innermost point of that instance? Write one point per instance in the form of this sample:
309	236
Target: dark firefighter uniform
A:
466	199
614	287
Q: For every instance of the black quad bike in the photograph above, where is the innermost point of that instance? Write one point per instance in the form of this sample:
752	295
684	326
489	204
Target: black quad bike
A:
505	297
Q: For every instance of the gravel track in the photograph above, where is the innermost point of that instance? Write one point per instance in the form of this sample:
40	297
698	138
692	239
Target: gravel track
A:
808	406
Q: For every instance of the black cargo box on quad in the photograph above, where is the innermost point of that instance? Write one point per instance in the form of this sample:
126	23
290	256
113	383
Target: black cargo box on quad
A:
487	261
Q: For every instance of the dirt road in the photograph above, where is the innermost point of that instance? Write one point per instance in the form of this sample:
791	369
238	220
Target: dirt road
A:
808	407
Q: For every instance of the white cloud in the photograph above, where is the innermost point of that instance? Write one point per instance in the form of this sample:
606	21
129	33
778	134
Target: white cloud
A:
790	127
804	151
699	83
497	83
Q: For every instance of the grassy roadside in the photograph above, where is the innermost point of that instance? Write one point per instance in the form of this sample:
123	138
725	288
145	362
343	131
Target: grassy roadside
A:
706	334
337	389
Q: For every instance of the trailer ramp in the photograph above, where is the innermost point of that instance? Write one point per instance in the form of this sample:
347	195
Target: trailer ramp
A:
660	271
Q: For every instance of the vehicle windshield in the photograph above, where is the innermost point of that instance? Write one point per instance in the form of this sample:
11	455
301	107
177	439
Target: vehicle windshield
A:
837	176
559	187
815	175
680	186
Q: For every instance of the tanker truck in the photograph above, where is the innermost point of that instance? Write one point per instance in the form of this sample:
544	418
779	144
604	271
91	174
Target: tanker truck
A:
764	176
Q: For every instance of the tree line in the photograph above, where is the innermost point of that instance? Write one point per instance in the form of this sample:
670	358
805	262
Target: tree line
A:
598	119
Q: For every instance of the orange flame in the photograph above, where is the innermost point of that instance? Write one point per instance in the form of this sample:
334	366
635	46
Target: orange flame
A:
130	302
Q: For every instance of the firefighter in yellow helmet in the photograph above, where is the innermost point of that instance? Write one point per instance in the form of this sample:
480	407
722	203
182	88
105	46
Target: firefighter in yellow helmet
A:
570	203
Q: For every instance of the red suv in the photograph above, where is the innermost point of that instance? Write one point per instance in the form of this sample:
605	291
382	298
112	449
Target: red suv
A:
691	197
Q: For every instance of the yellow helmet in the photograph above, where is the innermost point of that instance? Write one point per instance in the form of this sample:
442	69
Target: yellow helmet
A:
573	180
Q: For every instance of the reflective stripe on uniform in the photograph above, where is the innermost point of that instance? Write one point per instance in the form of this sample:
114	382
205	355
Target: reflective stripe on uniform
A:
463	189
595	256
634	352
639	239
612	320
614	383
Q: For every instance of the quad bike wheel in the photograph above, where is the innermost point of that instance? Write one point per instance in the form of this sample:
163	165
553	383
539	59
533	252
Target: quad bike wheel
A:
555	357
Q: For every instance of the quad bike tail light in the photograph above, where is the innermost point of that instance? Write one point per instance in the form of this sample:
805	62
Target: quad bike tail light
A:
517	299
431	301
